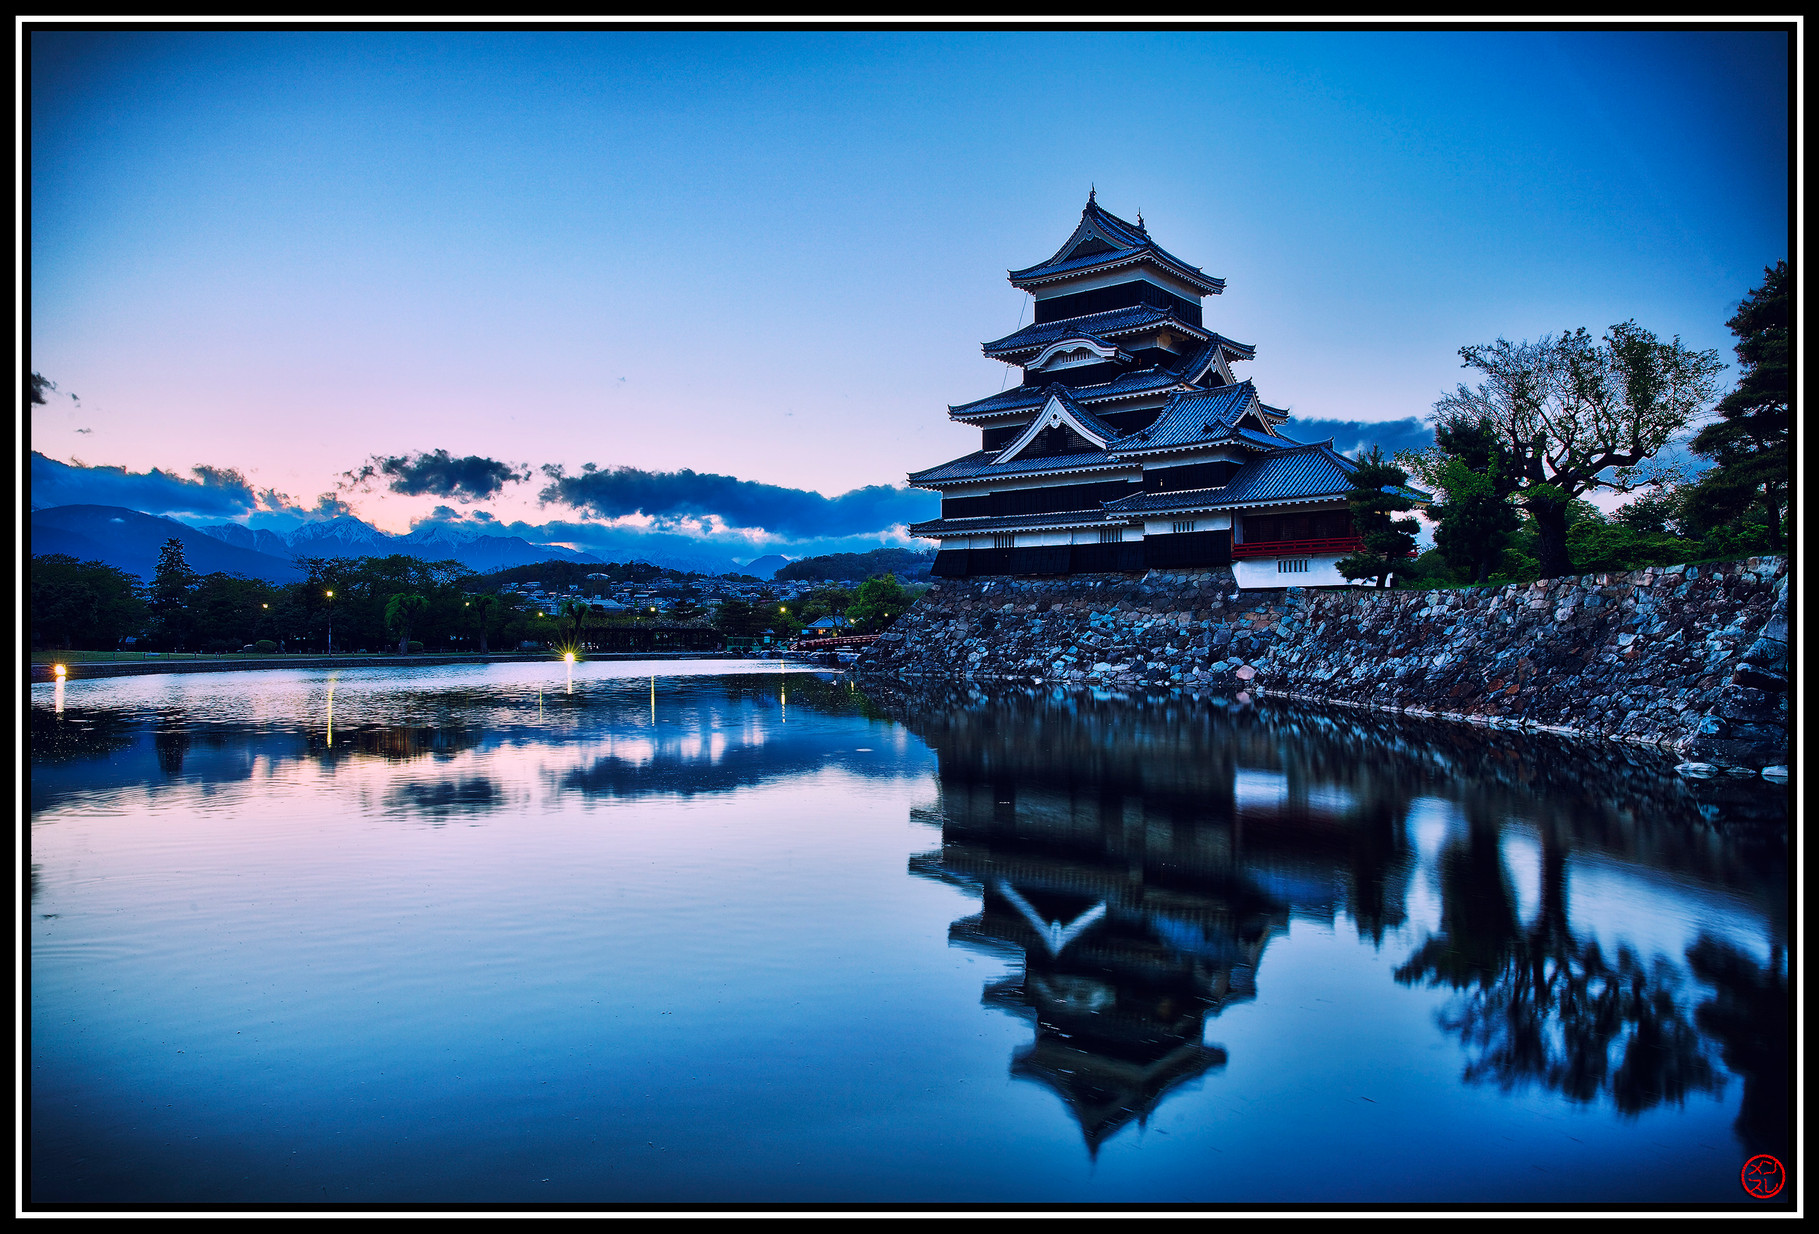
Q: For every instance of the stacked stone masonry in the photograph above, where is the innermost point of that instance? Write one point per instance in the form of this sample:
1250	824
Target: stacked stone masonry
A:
1688	657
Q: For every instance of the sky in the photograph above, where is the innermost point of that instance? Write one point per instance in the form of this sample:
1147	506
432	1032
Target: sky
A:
741	275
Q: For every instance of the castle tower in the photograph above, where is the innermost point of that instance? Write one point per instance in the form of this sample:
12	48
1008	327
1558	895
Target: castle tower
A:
1129	443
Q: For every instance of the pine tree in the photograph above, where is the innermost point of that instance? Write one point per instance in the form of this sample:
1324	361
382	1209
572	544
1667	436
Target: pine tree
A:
1379	490
173	586
1749	441
1476	519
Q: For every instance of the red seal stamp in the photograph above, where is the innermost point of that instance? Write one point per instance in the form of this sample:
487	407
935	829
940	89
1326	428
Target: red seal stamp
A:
1764	1176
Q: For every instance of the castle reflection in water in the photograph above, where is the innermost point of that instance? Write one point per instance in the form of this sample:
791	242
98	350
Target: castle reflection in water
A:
1133	859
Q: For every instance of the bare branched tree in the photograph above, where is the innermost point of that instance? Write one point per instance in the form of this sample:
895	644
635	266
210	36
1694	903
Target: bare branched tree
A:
1580	414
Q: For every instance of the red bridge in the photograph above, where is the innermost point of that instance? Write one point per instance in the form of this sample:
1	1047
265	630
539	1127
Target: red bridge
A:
832	644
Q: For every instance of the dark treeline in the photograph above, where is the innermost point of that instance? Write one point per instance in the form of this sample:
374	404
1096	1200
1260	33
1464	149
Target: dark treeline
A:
903	562
394	603
369	603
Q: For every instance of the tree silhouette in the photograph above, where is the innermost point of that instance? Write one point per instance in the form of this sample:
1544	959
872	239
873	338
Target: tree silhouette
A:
400	611
1747	1017
1538	1005
576	612
173	585
1749	441
483	605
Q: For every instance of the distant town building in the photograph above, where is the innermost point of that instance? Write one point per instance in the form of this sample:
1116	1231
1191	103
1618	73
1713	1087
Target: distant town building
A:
1129	444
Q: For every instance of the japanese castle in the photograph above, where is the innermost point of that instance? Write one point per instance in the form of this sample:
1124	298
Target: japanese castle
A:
1129	444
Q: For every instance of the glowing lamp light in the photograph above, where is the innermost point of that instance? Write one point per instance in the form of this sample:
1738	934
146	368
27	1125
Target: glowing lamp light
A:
569	656
60	670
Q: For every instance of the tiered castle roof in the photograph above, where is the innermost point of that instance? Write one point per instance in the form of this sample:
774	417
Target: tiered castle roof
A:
1127	412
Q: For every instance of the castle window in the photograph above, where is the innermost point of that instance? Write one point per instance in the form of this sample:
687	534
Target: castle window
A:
1111	535
1004	541
1291	565
1181	525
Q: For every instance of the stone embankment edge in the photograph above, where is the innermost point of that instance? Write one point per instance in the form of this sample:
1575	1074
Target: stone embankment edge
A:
1612	645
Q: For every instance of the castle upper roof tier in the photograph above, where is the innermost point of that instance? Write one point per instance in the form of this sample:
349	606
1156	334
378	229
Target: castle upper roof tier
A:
1191	369
1102	242
1108	326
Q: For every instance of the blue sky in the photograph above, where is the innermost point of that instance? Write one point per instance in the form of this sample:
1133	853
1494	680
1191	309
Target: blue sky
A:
773	256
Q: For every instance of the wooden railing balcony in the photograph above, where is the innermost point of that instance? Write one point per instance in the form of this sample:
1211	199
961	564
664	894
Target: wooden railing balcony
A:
1299	548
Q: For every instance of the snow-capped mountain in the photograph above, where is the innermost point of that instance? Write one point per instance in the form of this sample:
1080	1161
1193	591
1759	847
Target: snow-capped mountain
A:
347	536
344	536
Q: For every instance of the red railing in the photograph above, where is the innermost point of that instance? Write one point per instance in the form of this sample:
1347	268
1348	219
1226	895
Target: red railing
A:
1299	548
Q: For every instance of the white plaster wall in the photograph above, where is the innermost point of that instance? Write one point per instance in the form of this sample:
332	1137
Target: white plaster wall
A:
1202	522
1090	535
1253	572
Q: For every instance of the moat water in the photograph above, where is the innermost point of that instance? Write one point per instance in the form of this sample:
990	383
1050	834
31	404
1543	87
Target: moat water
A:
740	933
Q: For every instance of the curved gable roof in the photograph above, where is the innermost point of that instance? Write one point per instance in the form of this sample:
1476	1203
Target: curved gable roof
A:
1059	409
1128	242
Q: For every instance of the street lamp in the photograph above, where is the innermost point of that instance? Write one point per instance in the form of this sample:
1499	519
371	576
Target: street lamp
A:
331	624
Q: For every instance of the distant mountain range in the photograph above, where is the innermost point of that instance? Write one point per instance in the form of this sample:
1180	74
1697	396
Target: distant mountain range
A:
130	540
350	537
764	567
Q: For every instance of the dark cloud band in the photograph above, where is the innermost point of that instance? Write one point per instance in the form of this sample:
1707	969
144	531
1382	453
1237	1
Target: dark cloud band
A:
214	492
436	473
671	496
1351	436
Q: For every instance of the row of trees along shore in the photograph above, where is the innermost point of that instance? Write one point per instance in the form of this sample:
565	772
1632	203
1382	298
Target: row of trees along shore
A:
1516	454
393	603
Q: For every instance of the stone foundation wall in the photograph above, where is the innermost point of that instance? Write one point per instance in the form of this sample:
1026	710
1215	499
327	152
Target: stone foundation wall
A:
1689	657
